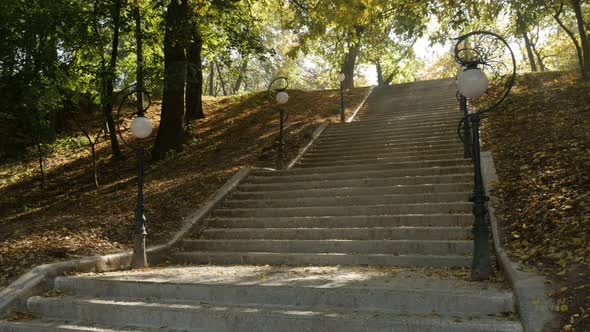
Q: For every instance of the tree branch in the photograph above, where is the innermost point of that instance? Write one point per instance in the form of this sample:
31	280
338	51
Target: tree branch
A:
570	34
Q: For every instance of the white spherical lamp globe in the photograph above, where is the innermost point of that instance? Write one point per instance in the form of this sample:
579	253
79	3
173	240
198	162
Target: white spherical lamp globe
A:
341	77
141	127
282	97
472	83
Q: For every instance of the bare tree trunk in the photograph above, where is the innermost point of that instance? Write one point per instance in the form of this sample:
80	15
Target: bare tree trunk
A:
389	78
539	58
171	132
222	83
349	65
529	51
241	75
139	55
41	156
92	142
108	106
194	76
211	78
379	72
572	37
583	37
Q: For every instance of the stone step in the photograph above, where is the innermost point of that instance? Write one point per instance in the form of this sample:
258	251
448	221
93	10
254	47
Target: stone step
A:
387	133
426	171
370	167
388	108
388	136
360	242
347	192
421	208
416	157
393	290
381	146
360	200
409	105
410	114
405	105
345	151
364	142
392	125
367	182
260	318
322	259
60	325
385	154
390	139
450	220
383	129
430	233
359	160
388	113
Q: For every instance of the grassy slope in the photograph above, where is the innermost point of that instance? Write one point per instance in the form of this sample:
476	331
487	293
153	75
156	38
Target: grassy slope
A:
70	218
540	140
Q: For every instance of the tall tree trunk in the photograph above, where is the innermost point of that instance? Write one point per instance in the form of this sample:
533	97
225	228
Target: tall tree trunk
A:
108	106
222	83
388	79
194	76
139	54
171	132
583	38
349	64
211	78
241	75
529	51
379	72
539	58
572	37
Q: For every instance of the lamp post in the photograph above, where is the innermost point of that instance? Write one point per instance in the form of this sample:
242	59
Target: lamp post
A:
281	98
466	138
476	52
141	128
341	78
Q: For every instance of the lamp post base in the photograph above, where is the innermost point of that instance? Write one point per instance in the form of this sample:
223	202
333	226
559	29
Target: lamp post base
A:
139	259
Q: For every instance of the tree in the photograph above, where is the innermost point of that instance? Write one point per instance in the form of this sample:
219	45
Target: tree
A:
350	29
171	131
194	74
585	43
110	77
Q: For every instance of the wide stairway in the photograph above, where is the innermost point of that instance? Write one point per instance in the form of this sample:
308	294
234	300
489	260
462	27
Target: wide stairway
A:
370	231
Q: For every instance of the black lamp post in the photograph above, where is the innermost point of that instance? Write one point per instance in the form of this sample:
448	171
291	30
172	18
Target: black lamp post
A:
141	127
477	52
466	137
341	78
281	98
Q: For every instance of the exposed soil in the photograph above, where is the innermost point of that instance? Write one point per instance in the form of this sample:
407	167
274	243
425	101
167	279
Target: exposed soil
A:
69	217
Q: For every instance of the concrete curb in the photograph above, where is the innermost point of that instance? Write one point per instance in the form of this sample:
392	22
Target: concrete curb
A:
529	288
351	118
40	279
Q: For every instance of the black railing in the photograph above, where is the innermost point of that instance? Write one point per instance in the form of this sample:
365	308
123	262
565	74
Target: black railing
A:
485	58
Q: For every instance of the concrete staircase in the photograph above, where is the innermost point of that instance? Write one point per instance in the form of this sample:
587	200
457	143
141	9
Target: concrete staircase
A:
371	231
